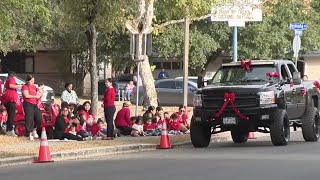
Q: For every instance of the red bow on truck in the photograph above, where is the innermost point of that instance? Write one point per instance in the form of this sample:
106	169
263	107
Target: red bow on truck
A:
246	65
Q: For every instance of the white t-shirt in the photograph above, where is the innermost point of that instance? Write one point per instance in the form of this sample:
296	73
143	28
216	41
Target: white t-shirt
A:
138	127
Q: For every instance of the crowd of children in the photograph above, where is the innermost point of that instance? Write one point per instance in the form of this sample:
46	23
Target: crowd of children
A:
150	124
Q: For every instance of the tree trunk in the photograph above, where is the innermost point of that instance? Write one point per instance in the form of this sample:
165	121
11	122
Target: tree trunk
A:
150	95
91	34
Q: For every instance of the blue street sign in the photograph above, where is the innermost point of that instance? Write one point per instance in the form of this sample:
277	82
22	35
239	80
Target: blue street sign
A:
298	26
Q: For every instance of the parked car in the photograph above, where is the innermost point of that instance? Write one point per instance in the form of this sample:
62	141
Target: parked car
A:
195	79
169	91
48	91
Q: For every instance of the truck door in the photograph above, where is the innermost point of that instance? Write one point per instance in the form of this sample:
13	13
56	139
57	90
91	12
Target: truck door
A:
289	93
299	96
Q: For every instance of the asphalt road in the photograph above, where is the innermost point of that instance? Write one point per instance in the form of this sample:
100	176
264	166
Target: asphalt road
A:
254	160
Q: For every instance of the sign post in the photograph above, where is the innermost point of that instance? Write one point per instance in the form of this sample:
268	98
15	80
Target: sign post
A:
236	13
296	44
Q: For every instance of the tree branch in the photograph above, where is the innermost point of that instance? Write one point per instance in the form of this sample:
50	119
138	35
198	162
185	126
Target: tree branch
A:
168	23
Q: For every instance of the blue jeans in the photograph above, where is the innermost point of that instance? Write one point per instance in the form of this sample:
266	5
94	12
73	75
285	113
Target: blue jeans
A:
128	94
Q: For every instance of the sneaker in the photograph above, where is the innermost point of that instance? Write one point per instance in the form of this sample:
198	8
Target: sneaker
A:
31	138
187	132
11	133
35	134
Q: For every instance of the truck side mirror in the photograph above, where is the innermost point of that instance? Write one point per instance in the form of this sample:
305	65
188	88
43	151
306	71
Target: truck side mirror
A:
200	82
296	78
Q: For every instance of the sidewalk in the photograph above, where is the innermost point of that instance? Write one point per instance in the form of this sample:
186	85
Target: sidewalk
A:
20	151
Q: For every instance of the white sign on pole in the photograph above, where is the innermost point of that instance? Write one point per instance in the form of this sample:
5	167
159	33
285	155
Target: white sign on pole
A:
246	10
296	44
236	23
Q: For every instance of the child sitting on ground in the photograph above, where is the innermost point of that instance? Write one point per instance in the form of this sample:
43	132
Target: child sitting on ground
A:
3	120
149	127
137	127
96	130
174	125
73	129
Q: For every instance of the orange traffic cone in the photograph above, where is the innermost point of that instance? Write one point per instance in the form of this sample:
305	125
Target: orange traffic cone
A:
164	140
44	151
251	135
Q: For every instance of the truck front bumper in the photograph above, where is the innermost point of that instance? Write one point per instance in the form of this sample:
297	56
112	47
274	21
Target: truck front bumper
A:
256	115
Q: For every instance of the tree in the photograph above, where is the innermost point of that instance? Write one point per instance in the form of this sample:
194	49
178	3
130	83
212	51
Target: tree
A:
23	22
93	17
142	24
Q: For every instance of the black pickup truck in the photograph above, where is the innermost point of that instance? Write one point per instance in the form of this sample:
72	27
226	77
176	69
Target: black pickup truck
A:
266	96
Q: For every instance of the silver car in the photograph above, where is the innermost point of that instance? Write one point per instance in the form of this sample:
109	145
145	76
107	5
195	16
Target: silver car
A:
169	91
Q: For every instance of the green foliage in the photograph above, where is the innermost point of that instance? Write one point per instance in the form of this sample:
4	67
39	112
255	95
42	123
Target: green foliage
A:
272	38
23	22
171	43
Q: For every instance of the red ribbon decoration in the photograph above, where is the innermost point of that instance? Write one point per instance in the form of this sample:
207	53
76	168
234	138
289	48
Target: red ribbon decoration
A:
246	65
230	98
273	74
316	84
303	92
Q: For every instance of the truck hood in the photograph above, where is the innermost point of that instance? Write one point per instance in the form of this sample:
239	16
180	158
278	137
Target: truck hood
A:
237	88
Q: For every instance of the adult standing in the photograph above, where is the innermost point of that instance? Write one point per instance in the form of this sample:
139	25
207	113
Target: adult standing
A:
9	99
109	108
69	95
31	109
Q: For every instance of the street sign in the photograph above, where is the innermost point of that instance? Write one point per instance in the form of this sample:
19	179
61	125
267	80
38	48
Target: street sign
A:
249	10
296	45
298	28
236	23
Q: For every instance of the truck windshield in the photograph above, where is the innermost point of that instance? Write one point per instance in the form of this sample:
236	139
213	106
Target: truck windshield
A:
237	74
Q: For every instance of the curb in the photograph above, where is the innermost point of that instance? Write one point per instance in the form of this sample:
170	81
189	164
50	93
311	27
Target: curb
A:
90	152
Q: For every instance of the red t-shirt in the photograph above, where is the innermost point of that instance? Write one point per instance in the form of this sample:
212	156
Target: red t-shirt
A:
109	97
87	115
175	125
32	91
10	95
147	127
160	122
66	120
95	128
182	118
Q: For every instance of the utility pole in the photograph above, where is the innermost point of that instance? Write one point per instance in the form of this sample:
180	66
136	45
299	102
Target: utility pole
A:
186	59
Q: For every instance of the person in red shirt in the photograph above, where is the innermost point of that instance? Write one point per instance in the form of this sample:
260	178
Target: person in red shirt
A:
3	118
183	117
9	100
87	115
122	121
109	108
32	112
96	130
149	127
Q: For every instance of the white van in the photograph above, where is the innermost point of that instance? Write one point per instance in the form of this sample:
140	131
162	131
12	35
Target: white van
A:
48	91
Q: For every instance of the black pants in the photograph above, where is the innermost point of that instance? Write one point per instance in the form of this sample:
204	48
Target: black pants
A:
32	116
108	114
125	130
11	109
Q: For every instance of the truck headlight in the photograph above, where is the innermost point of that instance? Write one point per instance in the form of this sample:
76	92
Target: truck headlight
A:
267	97
197	100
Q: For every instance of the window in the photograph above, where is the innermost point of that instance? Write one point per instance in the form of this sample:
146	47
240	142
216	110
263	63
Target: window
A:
166	65
284	72
166	85
176	65
292	69
157	64
179	84
29	64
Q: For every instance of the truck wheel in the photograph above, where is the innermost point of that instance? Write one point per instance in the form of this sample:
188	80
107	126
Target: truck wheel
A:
310	125
280	128
200	134
239	136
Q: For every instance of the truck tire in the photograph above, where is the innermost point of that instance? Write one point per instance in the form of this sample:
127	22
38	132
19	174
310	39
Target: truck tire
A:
239	136
200	134
280	128
310	125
